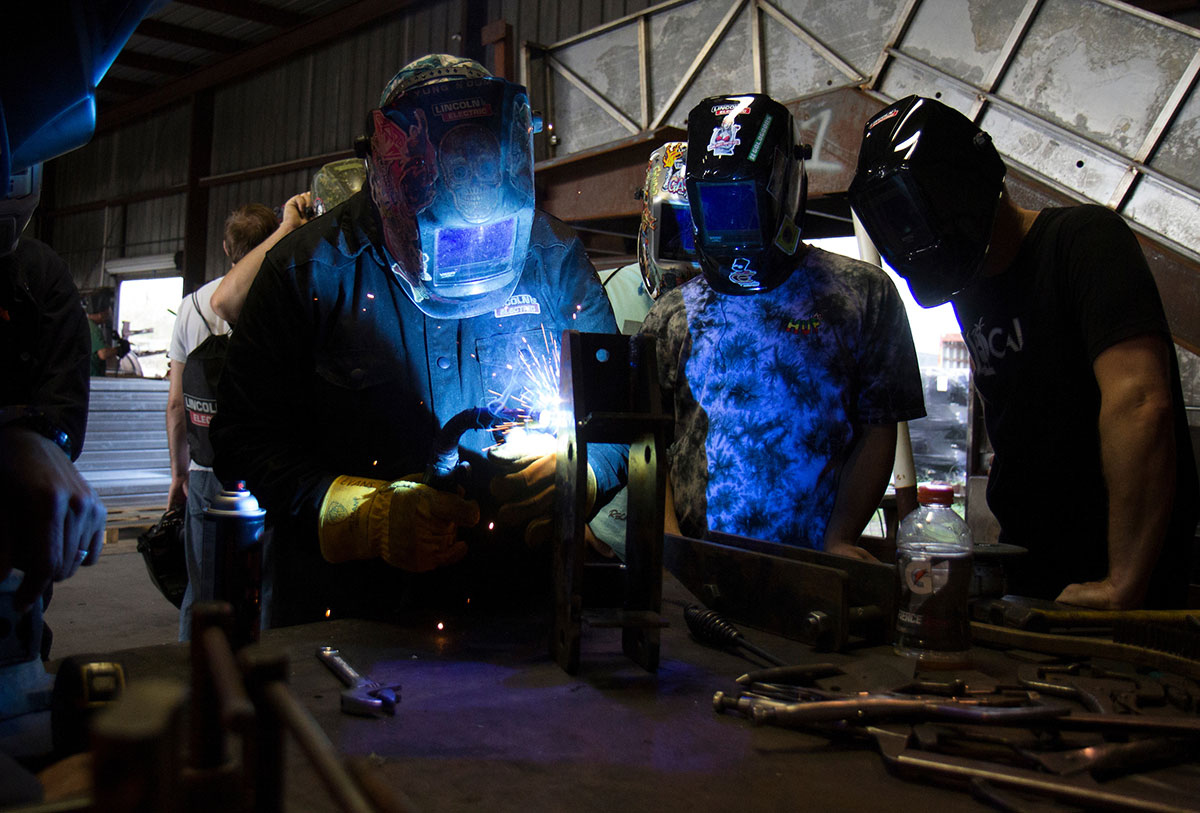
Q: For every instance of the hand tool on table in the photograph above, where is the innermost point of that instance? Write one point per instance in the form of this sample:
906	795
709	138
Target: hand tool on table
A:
709	628
1039	615
363	696
903	760
1079	646
1109	759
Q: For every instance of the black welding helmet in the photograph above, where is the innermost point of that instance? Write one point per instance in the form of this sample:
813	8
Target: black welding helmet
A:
746	189
19	195
54	56
450	167
666	247
926	190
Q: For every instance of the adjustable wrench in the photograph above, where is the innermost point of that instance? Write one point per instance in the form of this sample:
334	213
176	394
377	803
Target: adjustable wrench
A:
363	696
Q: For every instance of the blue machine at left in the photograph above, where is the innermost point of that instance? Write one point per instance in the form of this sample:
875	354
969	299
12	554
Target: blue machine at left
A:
54	55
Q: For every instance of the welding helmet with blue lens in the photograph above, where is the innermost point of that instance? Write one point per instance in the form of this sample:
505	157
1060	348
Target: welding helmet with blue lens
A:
450	168
927	188
746	190
666	246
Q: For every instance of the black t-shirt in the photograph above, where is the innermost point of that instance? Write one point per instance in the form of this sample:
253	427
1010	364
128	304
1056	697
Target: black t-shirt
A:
1079	285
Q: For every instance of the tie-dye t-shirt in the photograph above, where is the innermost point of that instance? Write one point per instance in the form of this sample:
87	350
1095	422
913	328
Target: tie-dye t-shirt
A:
767	390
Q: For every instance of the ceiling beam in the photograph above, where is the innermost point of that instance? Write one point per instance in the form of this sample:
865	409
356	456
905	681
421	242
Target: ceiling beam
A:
249	10
125	87
326	28
191	37
154	64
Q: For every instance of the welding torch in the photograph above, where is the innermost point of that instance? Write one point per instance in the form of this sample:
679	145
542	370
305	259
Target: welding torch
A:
442	471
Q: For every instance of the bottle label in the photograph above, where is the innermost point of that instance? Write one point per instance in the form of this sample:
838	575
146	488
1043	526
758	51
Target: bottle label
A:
932	612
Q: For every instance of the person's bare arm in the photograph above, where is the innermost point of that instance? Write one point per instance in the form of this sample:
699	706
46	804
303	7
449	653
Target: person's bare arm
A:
230	295
863	480
1137	452
177	442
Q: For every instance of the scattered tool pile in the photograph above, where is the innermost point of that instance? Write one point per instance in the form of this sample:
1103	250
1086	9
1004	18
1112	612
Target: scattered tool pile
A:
1062	730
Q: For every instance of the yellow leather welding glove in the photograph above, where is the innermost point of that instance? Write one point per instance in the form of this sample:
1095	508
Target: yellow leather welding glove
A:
527	490
409	525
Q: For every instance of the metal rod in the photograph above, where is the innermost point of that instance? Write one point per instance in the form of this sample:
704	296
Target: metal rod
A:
756	60
644	67
317	747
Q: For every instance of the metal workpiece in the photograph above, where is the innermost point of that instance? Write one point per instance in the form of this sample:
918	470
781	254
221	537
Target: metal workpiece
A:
609	389
219	708
137	748
362	696
876	708
823	600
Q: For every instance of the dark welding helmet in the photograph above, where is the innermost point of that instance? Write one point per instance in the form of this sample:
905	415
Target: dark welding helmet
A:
53	57
336	181
926	190
20	197
450	168
746	189
666	247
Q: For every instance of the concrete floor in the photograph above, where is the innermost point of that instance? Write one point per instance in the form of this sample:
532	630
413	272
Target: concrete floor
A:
110	606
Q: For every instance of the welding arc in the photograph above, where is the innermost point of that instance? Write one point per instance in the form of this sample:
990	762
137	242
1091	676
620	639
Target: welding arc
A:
708	627
440	471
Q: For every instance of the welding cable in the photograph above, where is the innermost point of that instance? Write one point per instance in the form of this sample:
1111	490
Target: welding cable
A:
440	471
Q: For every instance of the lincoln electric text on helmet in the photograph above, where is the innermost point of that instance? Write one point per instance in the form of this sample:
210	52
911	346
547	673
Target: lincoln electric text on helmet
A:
746	188
450	168
666	246
926	190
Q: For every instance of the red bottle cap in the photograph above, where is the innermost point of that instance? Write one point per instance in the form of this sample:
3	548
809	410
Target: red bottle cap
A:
935	494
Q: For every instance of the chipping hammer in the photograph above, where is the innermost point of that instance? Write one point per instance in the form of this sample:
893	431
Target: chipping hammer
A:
363	696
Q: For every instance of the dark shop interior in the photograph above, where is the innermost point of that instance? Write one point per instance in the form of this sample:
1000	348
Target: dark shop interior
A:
593	405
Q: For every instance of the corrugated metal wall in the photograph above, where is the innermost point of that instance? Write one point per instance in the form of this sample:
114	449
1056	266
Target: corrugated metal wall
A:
308	106
149	155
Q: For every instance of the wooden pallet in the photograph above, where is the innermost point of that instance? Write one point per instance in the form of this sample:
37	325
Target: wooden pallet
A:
126	523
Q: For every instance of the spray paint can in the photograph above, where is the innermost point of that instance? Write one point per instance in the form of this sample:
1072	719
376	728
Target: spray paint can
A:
234	523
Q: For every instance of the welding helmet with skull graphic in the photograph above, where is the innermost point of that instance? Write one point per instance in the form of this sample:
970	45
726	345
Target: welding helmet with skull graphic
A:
450	169
746	188
927	189
666	246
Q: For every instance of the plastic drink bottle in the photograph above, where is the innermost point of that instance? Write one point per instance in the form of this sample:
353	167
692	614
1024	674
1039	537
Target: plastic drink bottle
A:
933	568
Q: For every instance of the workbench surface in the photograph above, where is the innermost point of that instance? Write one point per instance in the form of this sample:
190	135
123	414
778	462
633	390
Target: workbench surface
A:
488	721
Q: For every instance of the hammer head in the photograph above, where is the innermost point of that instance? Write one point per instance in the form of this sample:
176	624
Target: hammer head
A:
369	699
